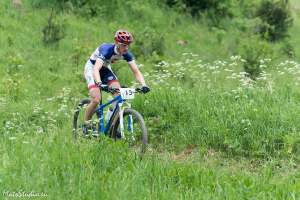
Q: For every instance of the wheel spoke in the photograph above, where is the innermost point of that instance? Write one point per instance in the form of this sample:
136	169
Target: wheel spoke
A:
135	132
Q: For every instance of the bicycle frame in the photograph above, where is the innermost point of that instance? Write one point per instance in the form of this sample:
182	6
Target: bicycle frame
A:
102	127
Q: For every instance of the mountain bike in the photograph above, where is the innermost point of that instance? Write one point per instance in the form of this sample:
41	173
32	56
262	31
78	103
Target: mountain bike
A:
124	124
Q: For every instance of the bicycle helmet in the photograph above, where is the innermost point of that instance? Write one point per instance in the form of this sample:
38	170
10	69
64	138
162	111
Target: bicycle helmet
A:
123	36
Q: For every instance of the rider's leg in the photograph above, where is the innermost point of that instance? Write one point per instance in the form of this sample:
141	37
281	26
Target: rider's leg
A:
95	99
94	91
114	84
89	126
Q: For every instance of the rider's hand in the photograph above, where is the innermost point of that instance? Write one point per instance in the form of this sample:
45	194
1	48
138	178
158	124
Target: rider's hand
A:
105	88
145	89
102	87
98	84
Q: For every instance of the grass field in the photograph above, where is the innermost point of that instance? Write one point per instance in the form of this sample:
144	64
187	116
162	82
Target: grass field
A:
214	132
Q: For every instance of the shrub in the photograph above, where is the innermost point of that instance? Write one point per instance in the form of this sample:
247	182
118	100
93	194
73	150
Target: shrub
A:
253	51
54	31
276	19
148	43
215	10
288	49
87	8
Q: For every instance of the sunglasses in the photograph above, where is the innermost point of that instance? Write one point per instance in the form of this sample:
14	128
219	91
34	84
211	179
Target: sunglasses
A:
123	45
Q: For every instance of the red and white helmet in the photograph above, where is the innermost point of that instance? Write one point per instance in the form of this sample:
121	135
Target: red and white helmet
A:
124	37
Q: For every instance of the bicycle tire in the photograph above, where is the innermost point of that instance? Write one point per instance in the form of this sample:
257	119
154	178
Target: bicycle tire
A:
78	109
142	135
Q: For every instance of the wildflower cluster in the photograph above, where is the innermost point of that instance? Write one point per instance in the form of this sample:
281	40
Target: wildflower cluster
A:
290	69
193	71
39	119
63	100
3	102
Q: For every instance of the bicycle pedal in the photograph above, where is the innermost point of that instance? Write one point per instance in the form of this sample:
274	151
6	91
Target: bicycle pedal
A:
95	134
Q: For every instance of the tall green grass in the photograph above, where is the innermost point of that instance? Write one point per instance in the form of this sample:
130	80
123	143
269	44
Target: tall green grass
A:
56	166
217	106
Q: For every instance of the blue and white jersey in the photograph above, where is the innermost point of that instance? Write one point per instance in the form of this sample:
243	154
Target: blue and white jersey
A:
108	53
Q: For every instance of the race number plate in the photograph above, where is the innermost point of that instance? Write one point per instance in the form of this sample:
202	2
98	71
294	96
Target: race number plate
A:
127	93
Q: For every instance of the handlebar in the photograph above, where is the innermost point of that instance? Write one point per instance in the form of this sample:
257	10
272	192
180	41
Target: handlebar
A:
108	89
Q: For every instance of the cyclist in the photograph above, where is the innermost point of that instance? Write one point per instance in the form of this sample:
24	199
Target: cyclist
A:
98	70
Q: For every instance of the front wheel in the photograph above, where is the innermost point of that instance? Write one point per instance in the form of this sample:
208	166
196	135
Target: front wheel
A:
134	129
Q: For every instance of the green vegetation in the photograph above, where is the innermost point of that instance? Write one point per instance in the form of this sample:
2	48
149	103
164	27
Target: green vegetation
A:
222	114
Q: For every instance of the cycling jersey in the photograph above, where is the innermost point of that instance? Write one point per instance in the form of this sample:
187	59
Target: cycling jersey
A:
108	53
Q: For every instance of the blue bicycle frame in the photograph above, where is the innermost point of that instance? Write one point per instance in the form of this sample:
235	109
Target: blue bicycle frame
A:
102	127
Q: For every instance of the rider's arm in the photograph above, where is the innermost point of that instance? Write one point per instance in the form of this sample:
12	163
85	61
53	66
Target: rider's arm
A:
137	73
96	69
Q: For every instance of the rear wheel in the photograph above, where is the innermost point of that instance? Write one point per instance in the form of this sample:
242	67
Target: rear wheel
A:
134	128
78	119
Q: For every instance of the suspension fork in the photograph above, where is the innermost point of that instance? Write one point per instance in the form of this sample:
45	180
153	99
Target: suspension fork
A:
121	112
121	119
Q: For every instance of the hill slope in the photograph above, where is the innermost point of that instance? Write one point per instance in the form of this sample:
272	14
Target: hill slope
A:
214	132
